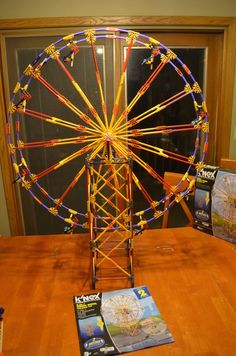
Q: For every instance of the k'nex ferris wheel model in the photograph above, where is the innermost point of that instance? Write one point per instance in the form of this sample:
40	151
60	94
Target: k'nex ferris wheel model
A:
107	144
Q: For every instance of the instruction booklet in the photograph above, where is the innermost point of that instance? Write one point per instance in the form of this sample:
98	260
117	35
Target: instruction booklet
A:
120	321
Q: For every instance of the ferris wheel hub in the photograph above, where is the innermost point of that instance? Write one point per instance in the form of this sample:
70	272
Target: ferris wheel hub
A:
108	136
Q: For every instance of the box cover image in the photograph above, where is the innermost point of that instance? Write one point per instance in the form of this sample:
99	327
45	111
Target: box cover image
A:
125	320
202	198
224	206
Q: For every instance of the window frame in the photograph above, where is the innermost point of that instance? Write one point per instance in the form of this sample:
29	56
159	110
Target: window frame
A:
39	26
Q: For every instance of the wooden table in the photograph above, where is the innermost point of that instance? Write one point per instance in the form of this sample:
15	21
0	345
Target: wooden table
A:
191	276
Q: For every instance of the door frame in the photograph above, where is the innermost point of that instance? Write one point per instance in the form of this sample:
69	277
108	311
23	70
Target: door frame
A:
39	26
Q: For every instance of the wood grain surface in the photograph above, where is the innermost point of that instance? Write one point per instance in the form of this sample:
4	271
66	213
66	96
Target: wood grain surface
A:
191	276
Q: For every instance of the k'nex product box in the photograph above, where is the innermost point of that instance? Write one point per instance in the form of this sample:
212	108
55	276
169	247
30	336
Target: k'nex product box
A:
223	208
203	198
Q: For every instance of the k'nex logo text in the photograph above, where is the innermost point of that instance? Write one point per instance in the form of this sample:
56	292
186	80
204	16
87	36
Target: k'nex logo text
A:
87	298
207	174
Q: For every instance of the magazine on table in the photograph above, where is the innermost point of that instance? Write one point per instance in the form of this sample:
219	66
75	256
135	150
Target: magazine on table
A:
125	320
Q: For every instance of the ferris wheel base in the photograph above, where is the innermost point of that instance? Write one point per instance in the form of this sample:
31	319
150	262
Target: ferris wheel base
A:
110	216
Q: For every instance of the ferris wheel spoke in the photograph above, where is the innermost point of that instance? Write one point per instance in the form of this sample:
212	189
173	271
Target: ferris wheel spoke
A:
130	39
76	178
64	161
54	142
155	109
125	150
112	196
159	151
157	130
108	200
80	91
112	186
70	186
35	73
141	92
65	101
91	39
99	175
144	192
55	120
117	179
98	179
101	155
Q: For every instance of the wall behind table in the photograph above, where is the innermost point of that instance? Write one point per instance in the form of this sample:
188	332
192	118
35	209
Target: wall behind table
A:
4	223
60	8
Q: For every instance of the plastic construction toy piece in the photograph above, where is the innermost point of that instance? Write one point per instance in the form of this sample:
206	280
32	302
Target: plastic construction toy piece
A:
110	216
1	331
107	137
